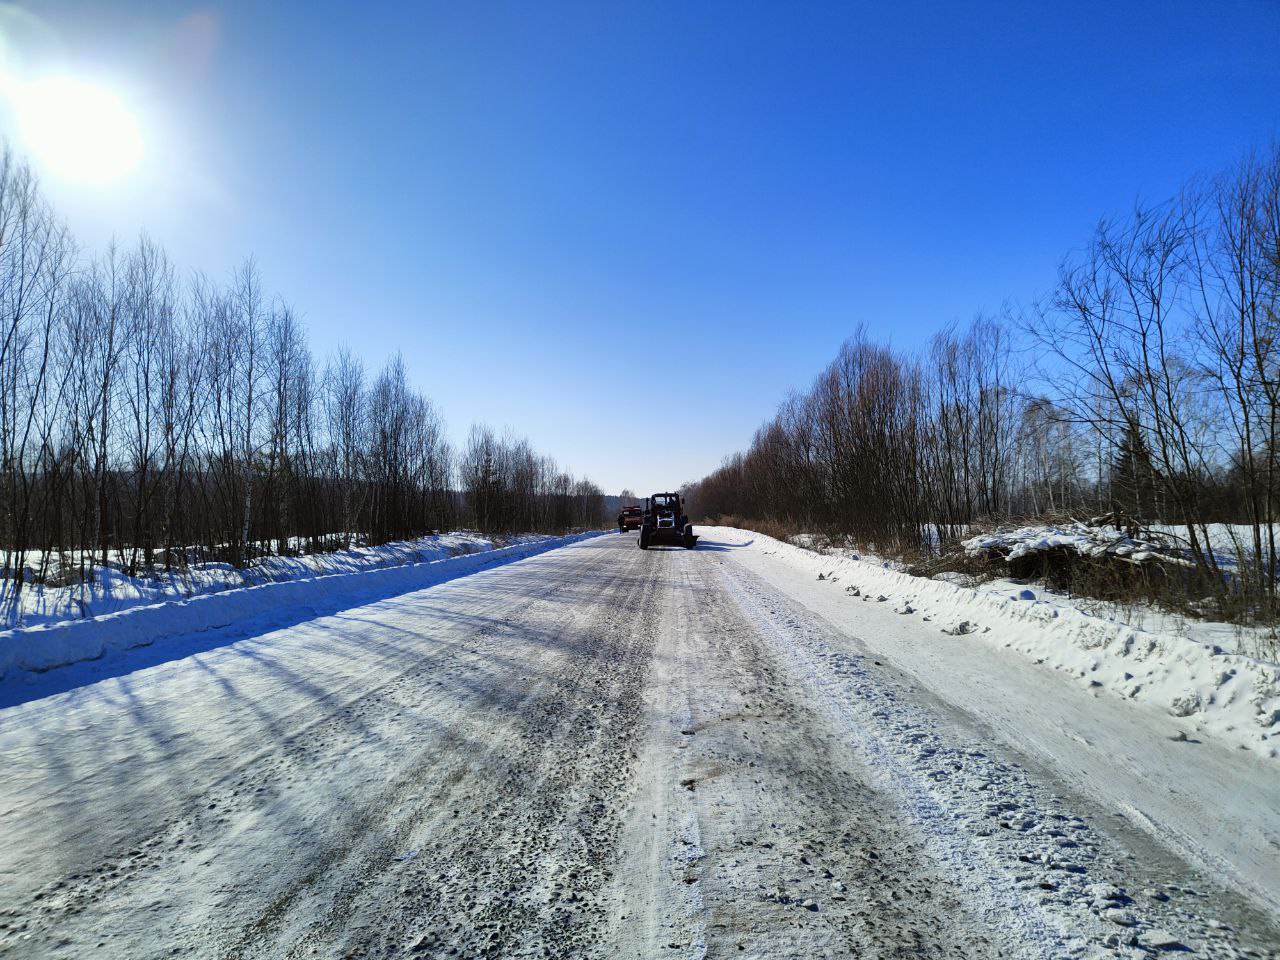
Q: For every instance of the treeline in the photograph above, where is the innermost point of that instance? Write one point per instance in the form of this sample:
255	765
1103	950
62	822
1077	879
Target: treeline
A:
151	421
510	487
1146	388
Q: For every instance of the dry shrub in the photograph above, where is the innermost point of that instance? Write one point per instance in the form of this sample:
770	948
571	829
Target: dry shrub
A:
976	569
1123	585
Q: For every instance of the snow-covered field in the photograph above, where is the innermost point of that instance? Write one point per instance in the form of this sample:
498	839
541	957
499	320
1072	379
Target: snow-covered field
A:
604	752
1226	539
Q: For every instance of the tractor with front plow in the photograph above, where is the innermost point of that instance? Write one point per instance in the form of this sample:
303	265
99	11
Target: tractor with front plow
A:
665	522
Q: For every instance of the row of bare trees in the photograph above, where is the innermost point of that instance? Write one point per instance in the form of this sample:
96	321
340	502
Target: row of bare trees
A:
149	421
509	486
888	448
1147	386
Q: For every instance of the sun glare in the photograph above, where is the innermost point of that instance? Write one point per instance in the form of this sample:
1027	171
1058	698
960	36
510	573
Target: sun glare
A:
78	130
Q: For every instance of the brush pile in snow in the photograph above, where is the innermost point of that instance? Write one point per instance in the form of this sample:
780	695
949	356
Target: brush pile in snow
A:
1078	539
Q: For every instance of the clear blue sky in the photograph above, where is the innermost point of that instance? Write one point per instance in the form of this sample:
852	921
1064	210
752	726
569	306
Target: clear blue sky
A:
626	230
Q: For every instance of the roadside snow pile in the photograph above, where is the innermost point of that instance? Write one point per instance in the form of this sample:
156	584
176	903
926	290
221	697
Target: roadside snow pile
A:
322	581
1087	541
112	591
1230	696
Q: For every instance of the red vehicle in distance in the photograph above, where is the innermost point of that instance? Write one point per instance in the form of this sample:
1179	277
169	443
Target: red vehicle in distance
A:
630	519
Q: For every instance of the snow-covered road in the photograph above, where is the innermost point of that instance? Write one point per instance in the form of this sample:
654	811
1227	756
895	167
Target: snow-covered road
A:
606	752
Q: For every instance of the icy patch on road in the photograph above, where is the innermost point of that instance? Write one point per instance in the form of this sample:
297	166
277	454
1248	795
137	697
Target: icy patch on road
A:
688	856
1027	864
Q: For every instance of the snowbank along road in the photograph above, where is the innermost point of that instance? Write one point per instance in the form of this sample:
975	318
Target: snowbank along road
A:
595	752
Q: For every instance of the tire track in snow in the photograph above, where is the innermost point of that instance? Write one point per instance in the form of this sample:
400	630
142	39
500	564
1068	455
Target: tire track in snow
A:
519	867
689	854
1027	861
798	858
991	891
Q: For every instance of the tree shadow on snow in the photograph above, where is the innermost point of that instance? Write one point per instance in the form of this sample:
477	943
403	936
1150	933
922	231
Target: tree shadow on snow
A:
22	687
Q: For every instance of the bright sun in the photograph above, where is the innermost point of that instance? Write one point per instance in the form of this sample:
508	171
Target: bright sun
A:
78	130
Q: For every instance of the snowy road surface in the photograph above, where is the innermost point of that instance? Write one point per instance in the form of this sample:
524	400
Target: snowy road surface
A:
611	753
